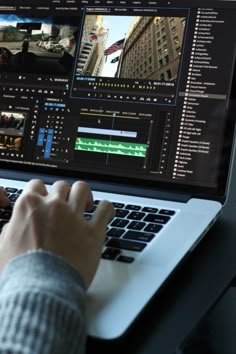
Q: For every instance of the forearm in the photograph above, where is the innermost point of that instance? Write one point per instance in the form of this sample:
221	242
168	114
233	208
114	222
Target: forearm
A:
41	306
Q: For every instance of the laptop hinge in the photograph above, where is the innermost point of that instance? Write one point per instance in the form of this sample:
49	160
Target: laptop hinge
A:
103	186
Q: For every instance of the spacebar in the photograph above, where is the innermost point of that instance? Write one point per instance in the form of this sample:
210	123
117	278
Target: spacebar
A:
126	245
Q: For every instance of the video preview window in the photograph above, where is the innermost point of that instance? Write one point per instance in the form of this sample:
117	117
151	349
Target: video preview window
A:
11	130
37	45
131	47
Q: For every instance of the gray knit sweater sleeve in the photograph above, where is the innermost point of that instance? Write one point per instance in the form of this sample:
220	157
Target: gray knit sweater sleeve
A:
42	302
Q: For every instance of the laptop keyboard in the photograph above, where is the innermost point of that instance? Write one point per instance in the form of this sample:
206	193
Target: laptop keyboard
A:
128	233
132	229
5	213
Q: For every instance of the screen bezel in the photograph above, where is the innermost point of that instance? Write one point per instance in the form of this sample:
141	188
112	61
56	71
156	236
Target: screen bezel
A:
219	192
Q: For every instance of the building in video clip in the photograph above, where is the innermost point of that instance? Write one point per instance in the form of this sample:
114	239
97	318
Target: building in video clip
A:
130	57
144	47
37	45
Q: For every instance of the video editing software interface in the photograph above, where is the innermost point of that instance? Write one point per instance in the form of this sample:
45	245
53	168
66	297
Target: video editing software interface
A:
122	88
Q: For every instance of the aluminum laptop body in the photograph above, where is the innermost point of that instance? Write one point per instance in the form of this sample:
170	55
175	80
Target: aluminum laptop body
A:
136	98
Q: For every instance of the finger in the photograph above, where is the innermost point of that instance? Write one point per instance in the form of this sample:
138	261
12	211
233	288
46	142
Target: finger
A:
36	186
103	215
60	189
80	196
4	201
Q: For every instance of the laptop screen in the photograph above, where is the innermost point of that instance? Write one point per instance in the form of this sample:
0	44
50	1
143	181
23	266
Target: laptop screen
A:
118	89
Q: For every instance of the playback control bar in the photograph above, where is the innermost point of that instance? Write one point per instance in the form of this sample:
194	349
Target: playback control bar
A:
137	98
138	92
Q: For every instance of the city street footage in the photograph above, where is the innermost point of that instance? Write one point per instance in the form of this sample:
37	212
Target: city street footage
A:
131	47
37	45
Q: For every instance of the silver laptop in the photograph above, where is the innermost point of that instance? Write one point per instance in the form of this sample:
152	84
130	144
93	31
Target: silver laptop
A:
134	97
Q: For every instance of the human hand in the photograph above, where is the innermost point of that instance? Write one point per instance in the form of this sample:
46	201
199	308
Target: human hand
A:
4	202
55	222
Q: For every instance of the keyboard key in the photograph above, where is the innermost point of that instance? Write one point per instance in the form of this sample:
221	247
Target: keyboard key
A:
153	228
19	191
134	215
150	210
115	232
133	207
121	213
5	214
13	197
119	222
136	225
9	208
126	245
125	259
87	216
157	218
167	212
118	205
110	253
10	190
96	202
138	236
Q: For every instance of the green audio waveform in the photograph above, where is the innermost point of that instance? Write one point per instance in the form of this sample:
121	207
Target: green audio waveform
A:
111	147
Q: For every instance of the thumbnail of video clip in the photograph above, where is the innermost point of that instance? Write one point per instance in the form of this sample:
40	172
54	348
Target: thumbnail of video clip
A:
11	130
37	45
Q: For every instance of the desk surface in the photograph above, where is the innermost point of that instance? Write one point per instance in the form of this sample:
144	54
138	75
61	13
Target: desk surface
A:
190	292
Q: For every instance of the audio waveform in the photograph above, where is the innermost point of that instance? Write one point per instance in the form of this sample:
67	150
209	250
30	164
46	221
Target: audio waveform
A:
111	147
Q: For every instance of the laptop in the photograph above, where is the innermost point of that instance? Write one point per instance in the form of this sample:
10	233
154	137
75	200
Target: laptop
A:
135	98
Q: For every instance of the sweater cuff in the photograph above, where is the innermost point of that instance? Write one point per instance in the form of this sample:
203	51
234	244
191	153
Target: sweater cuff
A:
42	306
41	270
